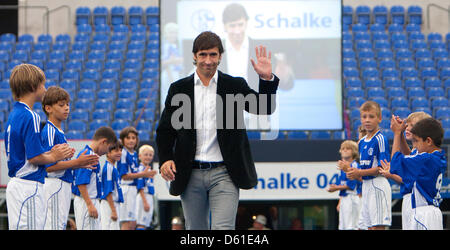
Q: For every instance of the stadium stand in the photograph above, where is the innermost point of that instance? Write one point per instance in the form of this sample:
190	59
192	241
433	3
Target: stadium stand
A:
111	67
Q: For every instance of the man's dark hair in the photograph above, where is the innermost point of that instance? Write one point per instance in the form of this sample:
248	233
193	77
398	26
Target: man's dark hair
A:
234	12
429	127
207	40
105	132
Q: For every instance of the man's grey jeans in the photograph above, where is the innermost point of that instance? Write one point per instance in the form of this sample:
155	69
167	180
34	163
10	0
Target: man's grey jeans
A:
210	200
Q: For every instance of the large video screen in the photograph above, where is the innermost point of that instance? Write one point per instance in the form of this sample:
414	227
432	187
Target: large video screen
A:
304	37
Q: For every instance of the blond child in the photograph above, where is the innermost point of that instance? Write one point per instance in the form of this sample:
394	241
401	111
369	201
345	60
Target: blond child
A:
144	199
376	191
349	190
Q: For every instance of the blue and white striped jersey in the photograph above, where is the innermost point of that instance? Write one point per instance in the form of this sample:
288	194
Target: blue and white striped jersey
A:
354	185
128	164
90	177
110	182
51	136
372	151
23	142
146	183
428	170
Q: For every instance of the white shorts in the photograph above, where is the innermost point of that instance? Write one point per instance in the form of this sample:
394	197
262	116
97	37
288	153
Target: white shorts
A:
106	221
427	218
144	218
58	195
407	213
349	212
128	206
25	201
375	203
82	218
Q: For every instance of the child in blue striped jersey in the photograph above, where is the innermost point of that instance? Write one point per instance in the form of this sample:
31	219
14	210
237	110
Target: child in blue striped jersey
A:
57	187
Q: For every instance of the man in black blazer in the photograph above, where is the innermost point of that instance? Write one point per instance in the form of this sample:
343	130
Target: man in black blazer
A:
202	142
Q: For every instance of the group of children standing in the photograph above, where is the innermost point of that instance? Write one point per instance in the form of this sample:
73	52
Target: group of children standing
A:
44	176
365	192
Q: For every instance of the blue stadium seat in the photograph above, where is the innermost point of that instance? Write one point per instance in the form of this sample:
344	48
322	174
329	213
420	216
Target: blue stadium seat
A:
355	102
389	72
435	92
100	15
367	63
152	54
419	102
355	92
82	15
88	85
118	45
414	14
380	14
362	13
101	114
139	28
123	114
370	72
401	112
135	15
128	84
93	64
108	84
83	104
127	93
150	73
80	115
28	38
78	46
39	55
444	73
445	123
71	74
440	53
439	101
397	13
134	54
96	55
144	125
381	100
353	82
409	72
130	74
354	113
144	135
125	103
97	123
74	135
403	53
351	72
108	94
442	113
82	37
84	29
415	92
73	65
386	113
152	15
104	104
395	92
146	113
425	63
115	55
372	92
320	135
91	74
412	82
100	39
145	103
118	15
20	55
385	124
399	102
119	124
77	125
147	93
154	64
133	64
423	109
113	64
432	82
387	63
297	135
137	44
111	74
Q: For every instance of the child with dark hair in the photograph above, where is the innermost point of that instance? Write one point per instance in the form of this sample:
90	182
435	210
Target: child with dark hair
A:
424	171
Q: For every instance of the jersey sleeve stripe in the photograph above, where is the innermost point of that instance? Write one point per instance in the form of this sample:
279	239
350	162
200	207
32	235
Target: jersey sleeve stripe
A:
381	145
